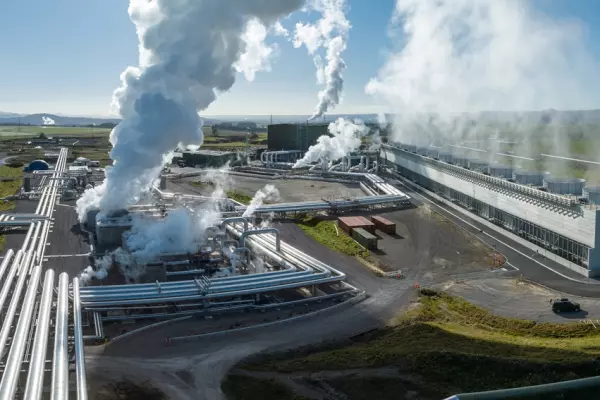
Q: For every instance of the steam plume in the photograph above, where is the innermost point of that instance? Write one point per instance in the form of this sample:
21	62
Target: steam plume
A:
47	120
268	193
345	138
330	32
469	56
189	50
257	56
182	231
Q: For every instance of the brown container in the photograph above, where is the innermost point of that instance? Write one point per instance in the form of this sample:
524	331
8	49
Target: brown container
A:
350	223
384	225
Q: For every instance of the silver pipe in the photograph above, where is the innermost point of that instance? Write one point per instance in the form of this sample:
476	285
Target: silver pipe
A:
79	356
14	303
35	377
41	247
36	237
4	265
27	237
60	362
233	220
12	367
260	232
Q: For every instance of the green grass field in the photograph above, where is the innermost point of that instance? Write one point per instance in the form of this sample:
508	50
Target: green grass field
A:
238	387
10	182
239	196
454	346
14	130
324	232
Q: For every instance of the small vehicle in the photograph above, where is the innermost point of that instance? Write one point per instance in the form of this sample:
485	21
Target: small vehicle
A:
560	305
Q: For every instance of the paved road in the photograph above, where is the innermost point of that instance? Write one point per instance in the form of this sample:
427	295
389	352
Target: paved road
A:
565	280
509	298
145	357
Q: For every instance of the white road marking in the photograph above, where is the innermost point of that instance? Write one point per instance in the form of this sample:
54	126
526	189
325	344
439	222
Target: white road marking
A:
68	255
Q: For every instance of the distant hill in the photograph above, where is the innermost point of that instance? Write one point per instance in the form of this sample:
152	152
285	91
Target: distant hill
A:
7	118
38	119
533	117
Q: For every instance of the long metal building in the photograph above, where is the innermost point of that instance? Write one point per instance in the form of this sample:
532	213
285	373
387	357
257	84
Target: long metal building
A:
557	226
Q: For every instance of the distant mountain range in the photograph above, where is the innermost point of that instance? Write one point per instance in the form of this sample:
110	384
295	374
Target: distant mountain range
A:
575	116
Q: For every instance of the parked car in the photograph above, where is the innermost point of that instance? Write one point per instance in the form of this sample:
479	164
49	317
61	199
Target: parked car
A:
565	305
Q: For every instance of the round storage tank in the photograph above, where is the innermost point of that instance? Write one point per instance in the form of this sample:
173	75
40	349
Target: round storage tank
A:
461	161
565	185
38	165
433	153
500	171
445	157
410	148
477	165
592	193
422	150
534	178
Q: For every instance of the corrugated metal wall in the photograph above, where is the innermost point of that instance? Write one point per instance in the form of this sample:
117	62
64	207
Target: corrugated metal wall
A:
294	136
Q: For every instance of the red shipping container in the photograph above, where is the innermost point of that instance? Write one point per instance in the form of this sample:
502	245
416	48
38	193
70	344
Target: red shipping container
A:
384	224
347	224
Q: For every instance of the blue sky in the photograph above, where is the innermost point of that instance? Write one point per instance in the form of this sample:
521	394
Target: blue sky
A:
65	57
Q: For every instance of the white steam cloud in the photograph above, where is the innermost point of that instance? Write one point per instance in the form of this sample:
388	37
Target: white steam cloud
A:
331	33
267	194
47	120
346	137
182	231
257	56
472	56
279	30
189	50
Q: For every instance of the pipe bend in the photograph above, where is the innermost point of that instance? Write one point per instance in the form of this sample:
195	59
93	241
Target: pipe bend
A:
260	232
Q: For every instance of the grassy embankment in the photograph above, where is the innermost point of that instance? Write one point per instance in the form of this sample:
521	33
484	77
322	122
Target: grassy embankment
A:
329	234
10	182
325	232
238	387
449	345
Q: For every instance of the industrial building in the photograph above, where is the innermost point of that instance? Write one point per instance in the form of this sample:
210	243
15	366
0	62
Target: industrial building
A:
551	217
294	136
209	158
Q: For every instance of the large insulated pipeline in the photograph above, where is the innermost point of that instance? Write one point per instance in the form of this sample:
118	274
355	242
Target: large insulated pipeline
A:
79	355
232	220
12	367
274	231
15	300
60	362
35	377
